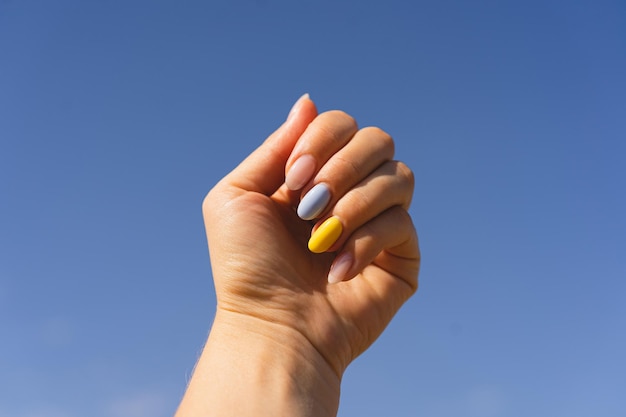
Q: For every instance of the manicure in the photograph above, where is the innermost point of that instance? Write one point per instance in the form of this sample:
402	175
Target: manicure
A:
339	268
297	104
326	235
300	172
314	202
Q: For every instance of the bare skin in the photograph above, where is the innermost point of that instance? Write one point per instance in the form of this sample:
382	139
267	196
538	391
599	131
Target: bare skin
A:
283	335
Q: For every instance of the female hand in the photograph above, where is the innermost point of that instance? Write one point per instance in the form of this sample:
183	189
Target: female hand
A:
269	283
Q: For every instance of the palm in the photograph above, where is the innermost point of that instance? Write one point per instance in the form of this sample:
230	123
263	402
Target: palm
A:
265	270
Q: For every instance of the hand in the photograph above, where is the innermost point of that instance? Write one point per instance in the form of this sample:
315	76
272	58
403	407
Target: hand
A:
298	300
261	264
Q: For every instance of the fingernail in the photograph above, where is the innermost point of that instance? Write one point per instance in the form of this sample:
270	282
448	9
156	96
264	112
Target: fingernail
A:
325	235
314	202
297	104
300	172
339	268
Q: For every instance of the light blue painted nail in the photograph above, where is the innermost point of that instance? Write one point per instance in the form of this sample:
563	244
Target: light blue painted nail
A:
314	202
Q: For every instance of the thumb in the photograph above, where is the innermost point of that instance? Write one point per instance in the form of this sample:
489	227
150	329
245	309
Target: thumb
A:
263	170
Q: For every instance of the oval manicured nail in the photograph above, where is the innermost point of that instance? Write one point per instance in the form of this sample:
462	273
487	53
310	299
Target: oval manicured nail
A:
300	172
314	202
326	235
339	268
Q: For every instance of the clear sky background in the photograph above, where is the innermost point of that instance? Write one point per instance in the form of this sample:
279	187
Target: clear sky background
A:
116	118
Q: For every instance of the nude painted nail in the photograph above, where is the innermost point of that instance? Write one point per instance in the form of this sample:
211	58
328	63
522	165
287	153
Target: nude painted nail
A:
339	268
296	105
300	172
314	202
326	235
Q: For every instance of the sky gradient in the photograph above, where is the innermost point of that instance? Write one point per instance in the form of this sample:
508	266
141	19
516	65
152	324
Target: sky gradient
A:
116	118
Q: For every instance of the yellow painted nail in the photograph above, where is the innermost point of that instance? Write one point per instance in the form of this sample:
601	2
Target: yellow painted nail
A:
325	235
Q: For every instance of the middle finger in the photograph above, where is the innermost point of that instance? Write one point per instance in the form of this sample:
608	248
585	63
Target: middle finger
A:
368	149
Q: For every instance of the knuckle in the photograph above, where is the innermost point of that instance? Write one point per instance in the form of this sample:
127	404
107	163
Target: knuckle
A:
374	131
405	172
357	200
378	132
400	216
384	139
348	165
328	132
340	118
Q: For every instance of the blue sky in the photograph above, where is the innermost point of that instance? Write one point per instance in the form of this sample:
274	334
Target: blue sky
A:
116	117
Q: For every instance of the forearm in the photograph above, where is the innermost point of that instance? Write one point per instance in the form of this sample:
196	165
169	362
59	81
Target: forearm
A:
253	368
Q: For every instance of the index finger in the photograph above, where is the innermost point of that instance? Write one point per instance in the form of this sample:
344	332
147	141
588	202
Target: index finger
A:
263	170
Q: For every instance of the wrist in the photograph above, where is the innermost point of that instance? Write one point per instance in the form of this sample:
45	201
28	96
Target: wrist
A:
253	367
